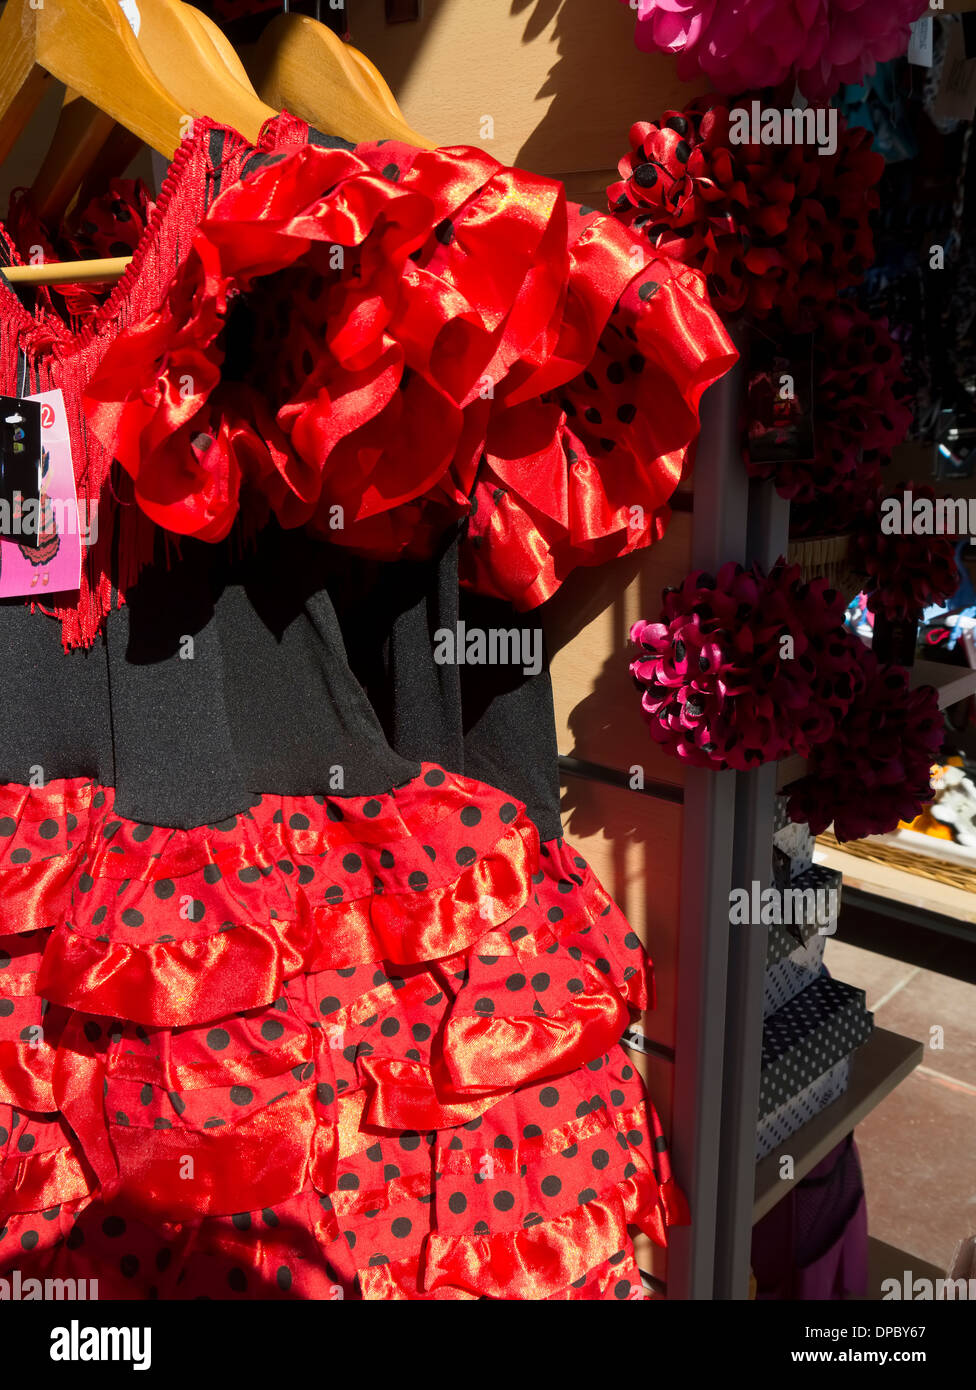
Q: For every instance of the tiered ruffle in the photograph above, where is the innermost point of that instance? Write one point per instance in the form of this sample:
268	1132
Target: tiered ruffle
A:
332	1047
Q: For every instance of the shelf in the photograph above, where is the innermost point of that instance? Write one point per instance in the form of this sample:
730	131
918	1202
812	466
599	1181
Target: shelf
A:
876	1069
953	683
924	892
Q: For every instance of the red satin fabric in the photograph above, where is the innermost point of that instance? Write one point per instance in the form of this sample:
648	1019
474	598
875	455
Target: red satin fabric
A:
450	1117
451	322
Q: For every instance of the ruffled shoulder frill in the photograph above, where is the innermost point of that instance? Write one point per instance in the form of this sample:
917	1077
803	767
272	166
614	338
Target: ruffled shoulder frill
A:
374	343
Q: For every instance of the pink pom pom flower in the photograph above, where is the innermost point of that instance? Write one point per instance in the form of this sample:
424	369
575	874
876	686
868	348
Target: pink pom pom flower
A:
739	44
743	668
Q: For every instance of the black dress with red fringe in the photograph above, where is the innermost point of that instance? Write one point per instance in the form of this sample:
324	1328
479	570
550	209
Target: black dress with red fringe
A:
289	1008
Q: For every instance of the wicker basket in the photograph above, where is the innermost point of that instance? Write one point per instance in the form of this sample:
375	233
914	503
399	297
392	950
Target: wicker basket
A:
827	557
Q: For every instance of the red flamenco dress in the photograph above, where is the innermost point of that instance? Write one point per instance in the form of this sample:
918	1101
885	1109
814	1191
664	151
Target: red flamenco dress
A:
292	1004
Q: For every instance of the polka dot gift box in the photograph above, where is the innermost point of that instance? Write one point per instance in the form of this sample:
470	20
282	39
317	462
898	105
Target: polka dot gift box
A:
806	1038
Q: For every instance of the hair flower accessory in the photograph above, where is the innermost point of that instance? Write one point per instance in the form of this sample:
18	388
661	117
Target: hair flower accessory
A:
860	413
758	43
775	228
744	668
906	571
876	769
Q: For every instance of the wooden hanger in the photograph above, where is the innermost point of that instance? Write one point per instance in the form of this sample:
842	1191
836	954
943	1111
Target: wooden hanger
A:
225	49
300	66
89	46
152	85
81	149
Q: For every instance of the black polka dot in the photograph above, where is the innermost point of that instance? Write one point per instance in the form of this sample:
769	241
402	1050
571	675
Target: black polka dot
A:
401	1227
470	816
418	881
218	1039
47	829
457	1202
164	888
241	1095
352	863
272	1030
548	1097
503	1201
551	1186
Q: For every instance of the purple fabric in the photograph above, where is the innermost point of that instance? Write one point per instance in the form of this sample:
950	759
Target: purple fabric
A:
814	1242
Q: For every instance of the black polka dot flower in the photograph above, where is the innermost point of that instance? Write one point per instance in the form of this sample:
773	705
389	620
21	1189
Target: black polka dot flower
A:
876	769
860	415
744	668
777	229
906	572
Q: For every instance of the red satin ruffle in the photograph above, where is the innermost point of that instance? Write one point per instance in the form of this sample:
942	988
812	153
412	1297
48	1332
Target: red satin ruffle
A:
362	1091
450	320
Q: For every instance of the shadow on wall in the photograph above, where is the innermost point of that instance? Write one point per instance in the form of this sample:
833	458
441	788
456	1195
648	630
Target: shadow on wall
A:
563	78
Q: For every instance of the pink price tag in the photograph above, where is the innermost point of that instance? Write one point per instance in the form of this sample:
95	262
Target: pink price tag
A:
54	564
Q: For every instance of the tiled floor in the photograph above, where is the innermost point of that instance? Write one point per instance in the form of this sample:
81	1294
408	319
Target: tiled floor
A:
918	1148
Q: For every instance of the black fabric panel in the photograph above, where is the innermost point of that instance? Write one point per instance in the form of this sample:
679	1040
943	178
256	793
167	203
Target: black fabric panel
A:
54	707
493	723
263	700
295	709
509	723
175	758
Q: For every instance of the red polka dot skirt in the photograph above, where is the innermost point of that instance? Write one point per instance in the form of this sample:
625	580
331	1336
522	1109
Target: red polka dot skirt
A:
330	1048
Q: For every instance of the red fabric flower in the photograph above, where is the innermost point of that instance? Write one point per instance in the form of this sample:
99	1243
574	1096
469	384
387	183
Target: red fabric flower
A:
875	771
744	668
775	228
906	572
860	415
